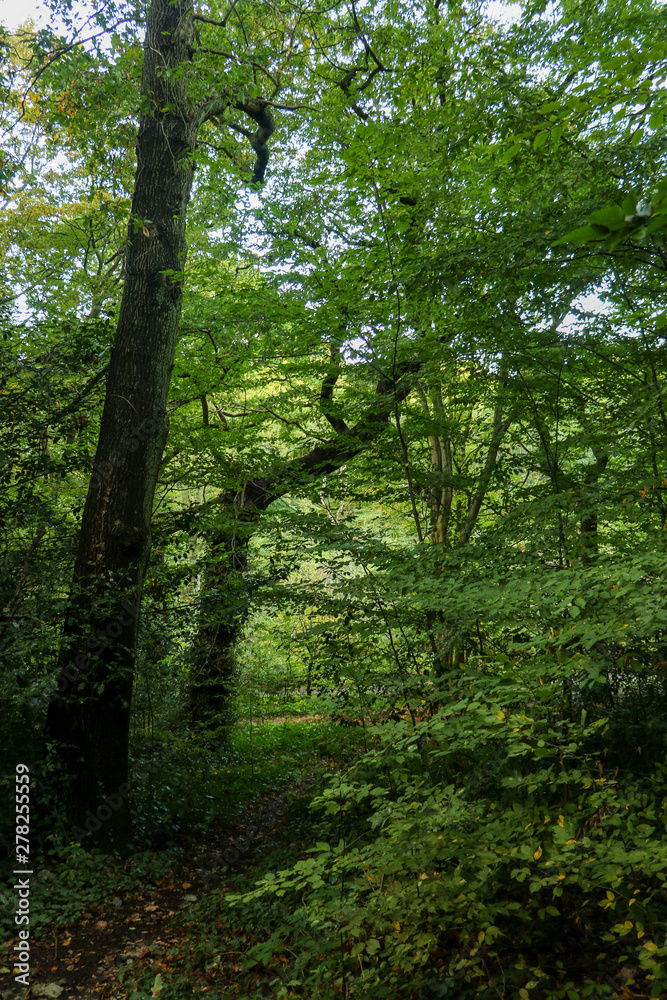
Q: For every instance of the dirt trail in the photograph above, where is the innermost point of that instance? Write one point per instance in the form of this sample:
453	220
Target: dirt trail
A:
102	956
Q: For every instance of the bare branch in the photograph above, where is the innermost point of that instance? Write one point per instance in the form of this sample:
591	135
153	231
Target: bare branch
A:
257	109
210	20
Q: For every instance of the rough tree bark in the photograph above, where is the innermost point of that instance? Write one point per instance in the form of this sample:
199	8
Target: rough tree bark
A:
222	614
88	717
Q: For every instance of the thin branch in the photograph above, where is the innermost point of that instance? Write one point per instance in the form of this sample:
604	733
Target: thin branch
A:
210	20
241	61
78	399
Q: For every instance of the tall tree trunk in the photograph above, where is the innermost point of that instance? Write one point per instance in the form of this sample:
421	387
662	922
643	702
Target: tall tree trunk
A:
224	607
88	718
441	496
441	493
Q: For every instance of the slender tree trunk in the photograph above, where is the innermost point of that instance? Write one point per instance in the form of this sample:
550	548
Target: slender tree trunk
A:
441	494
224	608
88	718
589	519
500	428
441	497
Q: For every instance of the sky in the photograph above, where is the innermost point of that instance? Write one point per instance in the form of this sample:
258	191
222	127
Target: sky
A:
15	12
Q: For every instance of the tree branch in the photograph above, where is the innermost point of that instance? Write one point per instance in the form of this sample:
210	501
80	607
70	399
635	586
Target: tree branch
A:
258	110
329	457
326	392
499	431
323	459
78	399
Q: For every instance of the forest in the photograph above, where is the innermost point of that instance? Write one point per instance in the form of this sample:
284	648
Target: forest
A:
333	500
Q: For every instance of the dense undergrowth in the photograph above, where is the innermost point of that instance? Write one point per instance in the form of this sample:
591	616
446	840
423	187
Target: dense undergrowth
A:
499	831
491	824
487	851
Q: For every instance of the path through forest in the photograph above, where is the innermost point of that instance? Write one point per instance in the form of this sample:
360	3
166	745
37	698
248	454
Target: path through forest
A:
126	945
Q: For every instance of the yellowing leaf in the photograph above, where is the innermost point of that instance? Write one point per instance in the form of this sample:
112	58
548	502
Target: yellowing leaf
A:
538	854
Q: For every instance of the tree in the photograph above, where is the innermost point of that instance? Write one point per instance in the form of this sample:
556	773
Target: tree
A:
448	182
88	718
225	598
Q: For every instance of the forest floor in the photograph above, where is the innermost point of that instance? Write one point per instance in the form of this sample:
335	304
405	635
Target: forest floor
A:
146	941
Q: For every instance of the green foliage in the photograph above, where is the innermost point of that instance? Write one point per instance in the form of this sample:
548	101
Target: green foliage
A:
73	881
48	423
488	844
632	219
414	484
189	782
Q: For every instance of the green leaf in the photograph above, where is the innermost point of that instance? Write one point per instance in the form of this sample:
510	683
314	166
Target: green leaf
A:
510	153
629	203
656	222
583	234
611	216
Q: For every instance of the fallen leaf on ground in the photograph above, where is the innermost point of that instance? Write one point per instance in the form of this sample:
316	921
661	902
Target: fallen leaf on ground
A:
47	990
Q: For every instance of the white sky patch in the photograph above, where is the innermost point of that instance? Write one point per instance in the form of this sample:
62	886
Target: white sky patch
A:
16	12
503	12
590	303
